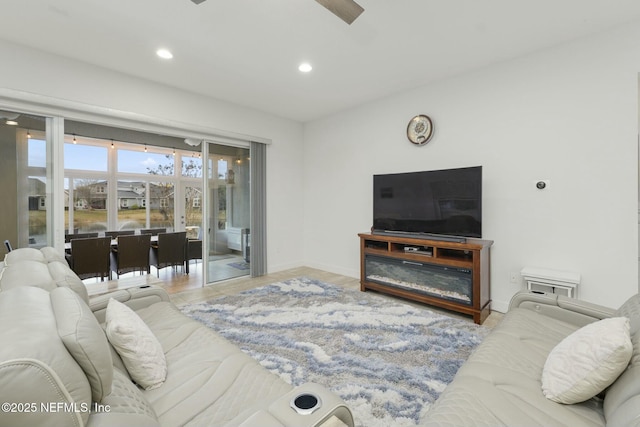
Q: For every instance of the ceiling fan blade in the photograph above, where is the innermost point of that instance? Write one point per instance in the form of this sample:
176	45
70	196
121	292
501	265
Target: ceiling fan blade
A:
347	10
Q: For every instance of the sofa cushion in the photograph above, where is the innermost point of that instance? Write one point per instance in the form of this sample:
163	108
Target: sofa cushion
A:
125	406
623	397
24	254
210	381
35	366
587	361
138	347
27	273
52	254
63	276
83	336
500	384
631	310
45	268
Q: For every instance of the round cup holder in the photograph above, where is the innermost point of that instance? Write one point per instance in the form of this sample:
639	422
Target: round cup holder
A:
306	403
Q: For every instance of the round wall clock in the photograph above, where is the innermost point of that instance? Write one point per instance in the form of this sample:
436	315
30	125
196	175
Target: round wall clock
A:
420	129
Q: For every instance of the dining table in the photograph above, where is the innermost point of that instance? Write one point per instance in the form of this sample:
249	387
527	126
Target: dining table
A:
154	241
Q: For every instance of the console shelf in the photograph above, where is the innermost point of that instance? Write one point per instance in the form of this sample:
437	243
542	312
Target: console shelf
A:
450	275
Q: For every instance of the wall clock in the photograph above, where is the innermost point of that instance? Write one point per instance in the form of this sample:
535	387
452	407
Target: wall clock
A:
420	129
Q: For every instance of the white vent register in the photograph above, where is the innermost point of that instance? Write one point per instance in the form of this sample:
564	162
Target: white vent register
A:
551	281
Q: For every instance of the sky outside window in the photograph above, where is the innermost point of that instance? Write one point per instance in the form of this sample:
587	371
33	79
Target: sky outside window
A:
85	157
37	153
141	162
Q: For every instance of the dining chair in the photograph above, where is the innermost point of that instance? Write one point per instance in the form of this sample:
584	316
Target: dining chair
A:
194	249
69	237
114	234
170	250
153	231
90	257
131	254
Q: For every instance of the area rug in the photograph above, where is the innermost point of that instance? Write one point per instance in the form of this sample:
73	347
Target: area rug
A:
240	265
388	360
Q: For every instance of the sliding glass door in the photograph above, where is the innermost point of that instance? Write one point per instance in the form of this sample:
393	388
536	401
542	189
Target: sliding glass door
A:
64	176
229	210
27	175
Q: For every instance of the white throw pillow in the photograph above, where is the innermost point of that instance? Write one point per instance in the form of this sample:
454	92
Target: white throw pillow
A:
137	346
587	361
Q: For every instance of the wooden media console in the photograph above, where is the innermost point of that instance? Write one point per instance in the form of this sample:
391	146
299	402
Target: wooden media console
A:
450	275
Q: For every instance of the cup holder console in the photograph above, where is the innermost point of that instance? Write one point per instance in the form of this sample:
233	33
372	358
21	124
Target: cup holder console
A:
305	403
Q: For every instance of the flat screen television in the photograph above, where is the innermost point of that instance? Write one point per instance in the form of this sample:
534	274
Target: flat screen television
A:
443	203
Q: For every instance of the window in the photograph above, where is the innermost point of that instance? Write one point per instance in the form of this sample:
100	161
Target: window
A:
222	169
192	167
88	197
85	157
154	162
36	153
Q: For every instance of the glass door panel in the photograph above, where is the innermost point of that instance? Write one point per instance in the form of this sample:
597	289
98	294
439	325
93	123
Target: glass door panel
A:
37	211
26	174
229	212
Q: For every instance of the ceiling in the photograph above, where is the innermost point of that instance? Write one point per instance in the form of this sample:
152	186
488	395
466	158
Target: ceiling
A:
247	51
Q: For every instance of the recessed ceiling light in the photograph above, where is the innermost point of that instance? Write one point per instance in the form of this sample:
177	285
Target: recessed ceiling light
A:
305	67
164	53
11	123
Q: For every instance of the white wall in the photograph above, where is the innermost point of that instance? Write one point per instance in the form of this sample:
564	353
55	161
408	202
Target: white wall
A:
40	73
567	114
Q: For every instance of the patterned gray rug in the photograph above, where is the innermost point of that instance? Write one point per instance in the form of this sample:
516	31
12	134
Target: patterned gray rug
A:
388	360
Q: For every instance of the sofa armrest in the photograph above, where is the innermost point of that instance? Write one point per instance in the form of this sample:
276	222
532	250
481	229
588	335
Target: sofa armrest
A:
570	310
136	298
331	410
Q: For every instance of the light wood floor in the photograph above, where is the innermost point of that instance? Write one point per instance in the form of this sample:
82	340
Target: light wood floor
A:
185	289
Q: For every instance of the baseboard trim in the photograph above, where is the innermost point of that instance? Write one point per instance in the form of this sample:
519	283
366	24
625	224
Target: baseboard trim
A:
500	306
349	272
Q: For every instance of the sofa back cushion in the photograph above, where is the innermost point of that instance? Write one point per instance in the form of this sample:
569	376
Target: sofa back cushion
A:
24	254
26	273
45	268
63	276
52	254
623	397
83	336
35	366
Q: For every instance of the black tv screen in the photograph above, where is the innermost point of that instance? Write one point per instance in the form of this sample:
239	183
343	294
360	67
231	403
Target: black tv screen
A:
440	202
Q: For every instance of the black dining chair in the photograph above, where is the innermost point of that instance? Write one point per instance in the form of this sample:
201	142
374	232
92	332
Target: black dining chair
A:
131	254
114	234
153	231
90	257
170	250
69	237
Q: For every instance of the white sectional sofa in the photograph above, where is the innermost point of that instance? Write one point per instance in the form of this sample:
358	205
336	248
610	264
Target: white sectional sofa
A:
501	383
58	367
